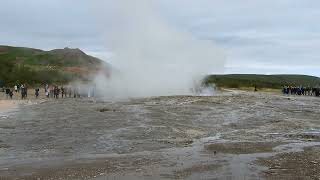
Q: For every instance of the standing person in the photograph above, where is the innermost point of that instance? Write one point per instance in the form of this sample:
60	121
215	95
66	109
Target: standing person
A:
11	94
58	92
290	90
18	86
47	94
46	90
7	92
55	92
307	91
284	90
317	92
299	91
74	93
37	92
26	90
302	90
70	91
51	92
78	92
22	89
62	91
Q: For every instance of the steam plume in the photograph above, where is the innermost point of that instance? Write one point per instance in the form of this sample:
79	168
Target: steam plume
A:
152	57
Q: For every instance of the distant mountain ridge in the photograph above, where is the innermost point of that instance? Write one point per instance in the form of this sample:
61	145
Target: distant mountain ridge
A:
34	66
58	57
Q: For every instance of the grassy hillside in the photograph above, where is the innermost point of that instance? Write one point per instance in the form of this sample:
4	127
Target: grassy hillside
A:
35	66
261	81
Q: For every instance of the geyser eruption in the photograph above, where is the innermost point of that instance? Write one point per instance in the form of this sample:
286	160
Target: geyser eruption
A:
151	57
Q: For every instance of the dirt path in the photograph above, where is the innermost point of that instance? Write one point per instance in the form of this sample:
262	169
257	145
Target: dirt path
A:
6	105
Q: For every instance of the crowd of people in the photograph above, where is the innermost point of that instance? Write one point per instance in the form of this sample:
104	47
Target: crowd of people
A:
19	88
70	91
301	91
53	91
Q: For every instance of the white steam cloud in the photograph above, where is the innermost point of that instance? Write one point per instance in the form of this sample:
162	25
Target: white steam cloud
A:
151	57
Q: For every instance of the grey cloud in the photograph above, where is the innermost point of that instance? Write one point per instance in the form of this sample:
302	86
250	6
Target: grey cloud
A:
273	31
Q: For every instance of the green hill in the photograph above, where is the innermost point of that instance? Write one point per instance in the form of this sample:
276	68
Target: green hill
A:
261	81
34	66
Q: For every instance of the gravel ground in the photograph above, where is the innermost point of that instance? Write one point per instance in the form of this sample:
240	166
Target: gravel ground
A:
233	135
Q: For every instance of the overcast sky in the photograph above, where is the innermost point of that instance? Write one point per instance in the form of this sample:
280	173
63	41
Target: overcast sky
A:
257	36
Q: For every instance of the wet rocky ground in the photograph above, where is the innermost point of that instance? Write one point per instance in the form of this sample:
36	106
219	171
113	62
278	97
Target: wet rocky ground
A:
232	135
